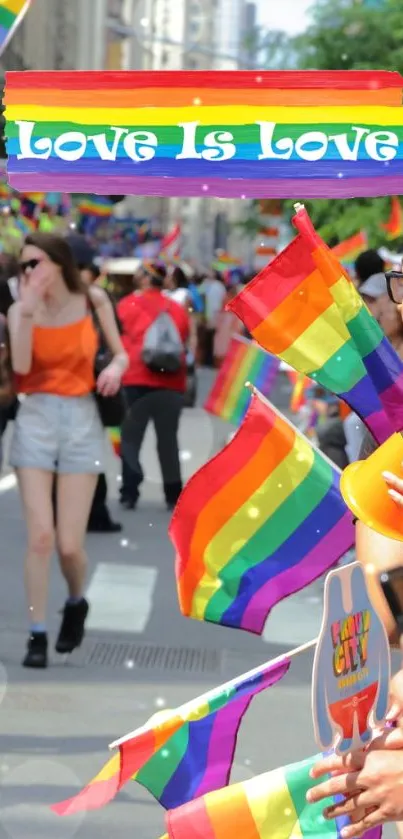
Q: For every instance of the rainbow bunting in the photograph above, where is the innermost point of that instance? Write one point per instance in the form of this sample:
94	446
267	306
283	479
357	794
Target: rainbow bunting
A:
96	206
349	249
394	225
245	362
11	15
270	806
258	522
233	134
305	309
181	754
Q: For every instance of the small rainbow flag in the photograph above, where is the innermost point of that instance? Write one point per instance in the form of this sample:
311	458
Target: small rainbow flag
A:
115	437
245	362
258	522
301	384
232	134
96	206
349	249
182	754
394	225
270	806
11	15
304	308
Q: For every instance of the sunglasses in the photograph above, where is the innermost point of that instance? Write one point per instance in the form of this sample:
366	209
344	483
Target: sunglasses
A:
29	265
394	285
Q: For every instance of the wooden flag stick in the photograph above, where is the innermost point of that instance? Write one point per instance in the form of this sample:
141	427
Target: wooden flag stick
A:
204	699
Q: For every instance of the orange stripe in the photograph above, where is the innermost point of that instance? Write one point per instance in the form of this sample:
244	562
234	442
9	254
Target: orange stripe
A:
230	814
180	97
293	315
222	506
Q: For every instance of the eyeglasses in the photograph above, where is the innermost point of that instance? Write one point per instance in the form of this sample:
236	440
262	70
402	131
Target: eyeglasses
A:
28	266
394	285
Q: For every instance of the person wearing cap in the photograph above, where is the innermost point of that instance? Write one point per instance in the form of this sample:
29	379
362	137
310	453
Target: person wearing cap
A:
367	265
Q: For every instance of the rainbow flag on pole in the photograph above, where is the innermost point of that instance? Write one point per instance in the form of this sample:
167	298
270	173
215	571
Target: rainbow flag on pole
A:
258	522
245	362
394	225
270	806
12	13
304	308
182	754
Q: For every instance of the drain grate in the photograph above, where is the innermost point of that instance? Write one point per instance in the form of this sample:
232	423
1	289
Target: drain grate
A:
148	657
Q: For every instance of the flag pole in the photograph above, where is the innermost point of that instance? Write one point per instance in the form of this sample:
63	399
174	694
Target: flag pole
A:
212	694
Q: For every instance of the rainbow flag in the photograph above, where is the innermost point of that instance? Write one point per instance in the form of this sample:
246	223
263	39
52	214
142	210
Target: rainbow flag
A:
115	437
245	362
11	15
301	384
258	522
349	249
394	225
182	754
96	206
270	806
233	134
304	308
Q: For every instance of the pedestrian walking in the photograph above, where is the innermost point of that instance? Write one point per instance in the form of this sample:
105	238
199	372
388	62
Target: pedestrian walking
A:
58	429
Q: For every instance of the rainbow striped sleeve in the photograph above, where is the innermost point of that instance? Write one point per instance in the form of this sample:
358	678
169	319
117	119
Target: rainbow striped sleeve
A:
258	522
245	362
270	806
305	309
244	134
181	754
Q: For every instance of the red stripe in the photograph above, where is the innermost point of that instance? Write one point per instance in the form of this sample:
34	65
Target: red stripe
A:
127	80
271	287
190	822
92	797
212	477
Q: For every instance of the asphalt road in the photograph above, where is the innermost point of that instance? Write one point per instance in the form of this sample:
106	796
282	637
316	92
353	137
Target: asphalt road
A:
139	656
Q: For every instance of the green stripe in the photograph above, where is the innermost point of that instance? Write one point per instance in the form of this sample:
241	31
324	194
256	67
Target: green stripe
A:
244	393
273	533
365	331
342	371
310	816
247	134
158	771
7	18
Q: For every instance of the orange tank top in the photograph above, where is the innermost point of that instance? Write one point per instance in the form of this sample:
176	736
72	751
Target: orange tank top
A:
62	360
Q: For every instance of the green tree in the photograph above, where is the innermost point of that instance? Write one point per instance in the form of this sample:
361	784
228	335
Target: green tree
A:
351	35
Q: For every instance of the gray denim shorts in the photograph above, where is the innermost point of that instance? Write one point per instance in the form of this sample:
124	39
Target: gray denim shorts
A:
62	434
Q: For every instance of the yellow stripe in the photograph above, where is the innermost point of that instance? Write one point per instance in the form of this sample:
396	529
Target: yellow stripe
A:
240	379
272	807
323	338
13	6
243	525
110	769
346	298
208	115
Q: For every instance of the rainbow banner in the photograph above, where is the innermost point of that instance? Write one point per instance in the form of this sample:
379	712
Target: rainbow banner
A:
260	521
270	806
304	308
394	225
349	249
232	134
245	362
182	754
12	13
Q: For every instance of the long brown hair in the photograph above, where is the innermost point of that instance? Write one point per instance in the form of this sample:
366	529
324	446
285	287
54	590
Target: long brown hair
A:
59	252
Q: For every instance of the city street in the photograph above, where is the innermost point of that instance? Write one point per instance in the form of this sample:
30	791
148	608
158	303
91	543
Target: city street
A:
139	656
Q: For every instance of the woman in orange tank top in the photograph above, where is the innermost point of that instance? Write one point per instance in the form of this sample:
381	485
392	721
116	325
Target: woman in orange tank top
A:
58	430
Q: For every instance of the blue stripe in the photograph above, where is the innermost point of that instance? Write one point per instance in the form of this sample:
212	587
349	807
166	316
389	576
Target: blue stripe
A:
363	398
383	365
292	552
191	770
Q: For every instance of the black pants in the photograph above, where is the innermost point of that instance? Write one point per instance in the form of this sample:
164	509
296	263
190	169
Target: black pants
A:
163	407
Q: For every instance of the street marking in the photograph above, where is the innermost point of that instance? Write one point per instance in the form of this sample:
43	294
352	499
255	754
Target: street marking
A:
294	619
8	482
121	597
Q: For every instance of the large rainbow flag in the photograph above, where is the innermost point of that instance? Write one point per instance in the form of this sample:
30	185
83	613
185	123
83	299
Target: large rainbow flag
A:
182	754
270	806
245	362
243	134
304	308
11	15
258	522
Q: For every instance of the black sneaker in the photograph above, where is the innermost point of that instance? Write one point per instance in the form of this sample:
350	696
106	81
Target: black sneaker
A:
72	629
37	651
106	525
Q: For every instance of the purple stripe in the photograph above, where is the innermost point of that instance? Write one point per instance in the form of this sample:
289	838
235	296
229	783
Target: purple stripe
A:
337	542
379	426
236	188
392	399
